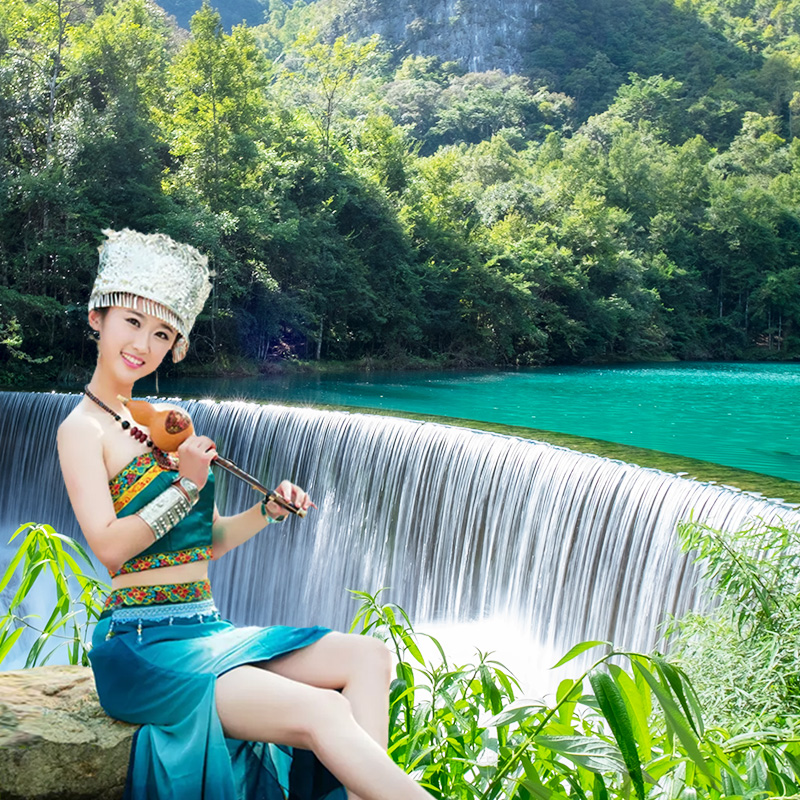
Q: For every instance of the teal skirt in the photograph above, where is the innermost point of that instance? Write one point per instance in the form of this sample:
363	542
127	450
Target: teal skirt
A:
156	666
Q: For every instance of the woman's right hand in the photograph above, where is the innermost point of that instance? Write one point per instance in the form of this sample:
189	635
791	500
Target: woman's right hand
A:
195	455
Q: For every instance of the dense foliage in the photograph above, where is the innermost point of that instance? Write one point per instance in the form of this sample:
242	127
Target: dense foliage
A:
631	726
358	204
744	657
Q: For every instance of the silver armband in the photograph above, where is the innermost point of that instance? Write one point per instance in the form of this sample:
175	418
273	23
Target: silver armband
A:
170	507
188	487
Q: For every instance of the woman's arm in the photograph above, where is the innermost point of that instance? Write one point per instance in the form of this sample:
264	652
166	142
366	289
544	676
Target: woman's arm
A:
230	532
80	452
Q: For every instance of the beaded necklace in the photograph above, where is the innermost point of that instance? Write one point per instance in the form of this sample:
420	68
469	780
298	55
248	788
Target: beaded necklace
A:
137	434
166	460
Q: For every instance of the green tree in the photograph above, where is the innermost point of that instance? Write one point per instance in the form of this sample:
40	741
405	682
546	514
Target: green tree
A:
218	114
324	78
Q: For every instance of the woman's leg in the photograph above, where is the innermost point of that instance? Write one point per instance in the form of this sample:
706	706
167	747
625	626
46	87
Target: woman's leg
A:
259	705
359	666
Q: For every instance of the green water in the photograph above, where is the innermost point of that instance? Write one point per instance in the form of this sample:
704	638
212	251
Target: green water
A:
739	415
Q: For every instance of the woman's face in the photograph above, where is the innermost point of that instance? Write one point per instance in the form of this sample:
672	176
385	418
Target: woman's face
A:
131	343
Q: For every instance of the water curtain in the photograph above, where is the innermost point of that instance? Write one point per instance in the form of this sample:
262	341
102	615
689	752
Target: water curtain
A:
462	525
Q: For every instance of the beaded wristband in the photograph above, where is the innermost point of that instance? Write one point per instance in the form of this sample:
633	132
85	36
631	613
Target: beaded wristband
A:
267	517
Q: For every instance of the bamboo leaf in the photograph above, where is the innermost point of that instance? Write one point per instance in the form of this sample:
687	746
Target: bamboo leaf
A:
681	688
677	721
515	712
7	642
638	707
614	710
28	579
600	791
575	651
591	753
437	644
533	783
567	696
18	556
490	690
78	548
22	528
411	646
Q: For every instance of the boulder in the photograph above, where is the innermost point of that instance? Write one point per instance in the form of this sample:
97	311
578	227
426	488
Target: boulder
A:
55	739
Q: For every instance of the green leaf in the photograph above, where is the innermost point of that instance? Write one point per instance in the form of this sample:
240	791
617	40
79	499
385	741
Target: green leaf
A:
18	556
439	647
591	753
534	785
639	708
567	696
22	528
491	693
575	651
7	642
515	712
680	685
411	646
600	792
613	707
677	721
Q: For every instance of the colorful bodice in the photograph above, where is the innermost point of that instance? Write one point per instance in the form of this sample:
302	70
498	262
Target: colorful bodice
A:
134	487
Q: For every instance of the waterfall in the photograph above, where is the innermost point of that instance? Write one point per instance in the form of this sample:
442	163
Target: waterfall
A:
462	525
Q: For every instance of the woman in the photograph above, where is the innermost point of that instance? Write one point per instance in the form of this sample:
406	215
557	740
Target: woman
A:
209	696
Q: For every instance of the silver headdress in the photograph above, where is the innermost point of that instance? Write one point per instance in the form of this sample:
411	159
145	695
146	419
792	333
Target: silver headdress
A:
153	274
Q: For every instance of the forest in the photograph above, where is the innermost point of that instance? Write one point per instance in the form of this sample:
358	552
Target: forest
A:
632	194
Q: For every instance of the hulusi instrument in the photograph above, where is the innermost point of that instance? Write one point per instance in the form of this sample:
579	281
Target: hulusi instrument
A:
170	427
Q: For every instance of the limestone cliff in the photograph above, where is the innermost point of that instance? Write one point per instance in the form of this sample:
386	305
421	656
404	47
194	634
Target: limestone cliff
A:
481	36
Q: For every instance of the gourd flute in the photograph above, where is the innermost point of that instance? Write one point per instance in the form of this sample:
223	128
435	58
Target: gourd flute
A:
171	427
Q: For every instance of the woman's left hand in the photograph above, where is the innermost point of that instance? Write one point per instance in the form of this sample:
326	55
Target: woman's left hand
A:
294	494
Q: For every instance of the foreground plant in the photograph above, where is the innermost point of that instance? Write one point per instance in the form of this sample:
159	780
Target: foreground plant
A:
79	596
744	655
629	727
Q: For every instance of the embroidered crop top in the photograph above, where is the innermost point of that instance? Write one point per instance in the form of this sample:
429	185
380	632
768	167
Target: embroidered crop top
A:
139	482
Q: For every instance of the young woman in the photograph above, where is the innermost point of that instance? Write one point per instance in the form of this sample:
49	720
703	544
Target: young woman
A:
225	712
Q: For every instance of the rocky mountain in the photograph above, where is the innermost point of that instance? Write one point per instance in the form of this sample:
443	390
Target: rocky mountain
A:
479	35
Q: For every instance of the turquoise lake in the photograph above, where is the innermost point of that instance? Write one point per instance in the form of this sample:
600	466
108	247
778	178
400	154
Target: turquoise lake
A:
740	415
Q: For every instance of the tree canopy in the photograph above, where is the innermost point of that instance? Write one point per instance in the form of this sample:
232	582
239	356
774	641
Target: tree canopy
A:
356	202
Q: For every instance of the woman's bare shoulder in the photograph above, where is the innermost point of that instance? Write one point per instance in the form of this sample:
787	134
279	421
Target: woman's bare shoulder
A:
79	420
80	429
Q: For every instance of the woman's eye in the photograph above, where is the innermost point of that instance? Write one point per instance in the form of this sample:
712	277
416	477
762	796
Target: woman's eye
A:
133	321
163	335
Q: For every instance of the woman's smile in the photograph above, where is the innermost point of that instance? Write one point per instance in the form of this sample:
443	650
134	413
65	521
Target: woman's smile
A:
132	361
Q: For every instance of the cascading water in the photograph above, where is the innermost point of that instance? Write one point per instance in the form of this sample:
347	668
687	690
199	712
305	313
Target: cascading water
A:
462	525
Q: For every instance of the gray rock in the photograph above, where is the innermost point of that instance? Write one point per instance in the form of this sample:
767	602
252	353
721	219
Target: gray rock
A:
56	741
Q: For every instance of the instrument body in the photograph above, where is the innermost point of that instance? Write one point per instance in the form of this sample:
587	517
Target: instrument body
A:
170	427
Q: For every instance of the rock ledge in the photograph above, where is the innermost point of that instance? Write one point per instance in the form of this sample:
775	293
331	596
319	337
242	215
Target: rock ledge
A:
55	739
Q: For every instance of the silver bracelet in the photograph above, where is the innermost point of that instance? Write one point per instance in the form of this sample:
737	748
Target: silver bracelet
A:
189	488
168	509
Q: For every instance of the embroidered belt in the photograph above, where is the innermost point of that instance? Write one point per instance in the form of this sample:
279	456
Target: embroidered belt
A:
158	603
163	594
